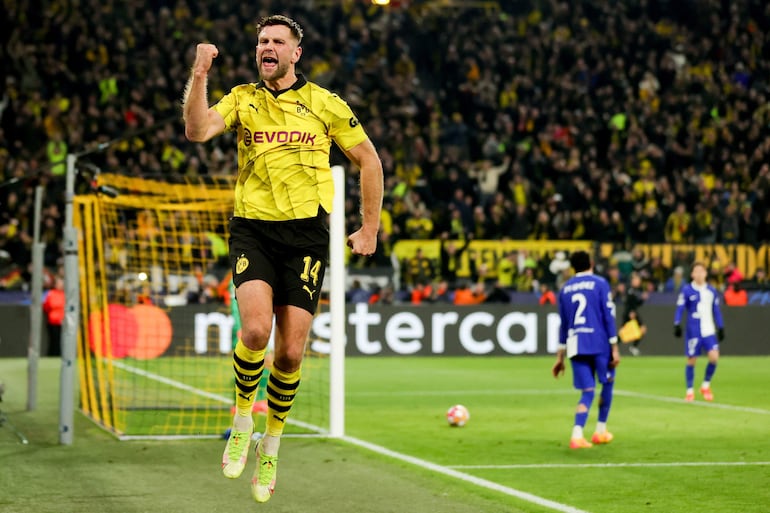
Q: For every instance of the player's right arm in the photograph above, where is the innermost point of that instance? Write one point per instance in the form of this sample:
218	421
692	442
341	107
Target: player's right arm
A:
201	122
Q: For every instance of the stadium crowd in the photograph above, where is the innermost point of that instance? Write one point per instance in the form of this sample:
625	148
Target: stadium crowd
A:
639	121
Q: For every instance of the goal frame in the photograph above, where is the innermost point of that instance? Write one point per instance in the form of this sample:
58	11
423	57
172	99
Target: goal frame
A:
71	321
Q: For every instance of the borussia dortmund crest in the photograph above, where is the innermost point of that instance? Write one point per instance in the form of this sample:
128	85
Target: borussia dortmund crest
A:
241	264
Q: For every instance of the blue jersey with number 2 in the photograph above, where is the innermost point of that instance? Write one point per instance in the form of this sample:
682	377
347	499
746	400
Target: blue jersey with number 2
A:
587	314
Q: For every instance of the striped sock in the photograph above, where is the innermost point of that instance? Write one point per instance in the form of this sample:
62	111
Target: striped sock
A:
248	366
281	390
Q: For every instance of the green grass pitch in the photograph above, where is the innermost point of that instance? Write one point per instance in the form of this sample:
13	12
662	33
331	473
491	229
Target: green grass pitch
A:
401	456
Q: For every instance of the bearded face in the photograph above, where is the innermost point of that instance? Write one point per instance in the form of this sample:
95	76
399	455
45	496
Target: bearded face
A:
277	52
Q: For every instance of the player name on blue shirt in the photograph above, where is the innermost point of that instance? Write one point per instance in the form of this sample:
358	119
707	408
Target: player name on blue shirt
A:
588	315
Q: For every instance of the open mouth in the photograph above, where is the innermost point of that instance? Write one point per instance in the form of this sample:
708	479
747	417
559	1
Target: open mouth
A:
269	62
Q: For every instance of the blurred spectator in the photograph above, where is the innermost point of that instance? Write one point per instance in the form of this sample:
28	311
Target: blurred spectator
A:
421	292
678	225
450	258
729	225
559	264
735	295
640	264
356	293
547	297
659	273
53	307
633	298
526	281
419	225
382	296
749	226
507	269
419	269
674	283
498	294
469	294
488	176
732	274
704	226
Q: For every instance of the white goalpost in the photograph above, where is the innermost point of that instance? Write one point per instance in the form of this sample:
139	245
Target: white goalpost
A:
337	243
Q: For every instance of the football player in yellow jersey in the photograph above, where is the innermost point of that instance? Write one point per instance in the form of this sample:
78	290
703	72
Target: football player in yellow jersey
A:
278	235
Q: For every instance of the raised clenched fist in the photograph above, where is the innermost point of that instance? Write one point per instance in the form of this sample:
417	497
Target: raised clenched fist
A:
204	56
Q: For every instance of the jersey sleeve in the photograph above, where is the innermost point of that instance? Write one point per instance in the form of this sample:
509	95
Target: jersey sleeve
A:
344	127
564	324
679	306
227	107
609	315
717	311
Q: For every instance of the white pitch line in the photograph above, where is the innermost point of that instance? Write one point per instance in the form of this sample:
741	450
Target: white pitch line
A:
556	506
529	391
452	471
615	465
172	382
420	393
202	393
447	471
679	400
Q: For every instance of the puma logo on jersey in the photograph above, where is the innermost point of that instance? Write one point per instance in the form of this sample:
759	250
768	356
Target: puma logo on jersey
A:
254	107
309	291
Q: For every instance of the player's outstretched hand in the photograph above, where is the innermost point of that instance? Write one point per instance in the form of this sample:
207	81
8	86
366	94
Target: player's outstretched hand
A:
677	331
721	334
558	369
204	56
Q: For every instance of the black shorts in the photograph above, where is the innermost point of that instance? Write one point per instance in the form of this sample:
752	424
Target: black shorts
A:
291	256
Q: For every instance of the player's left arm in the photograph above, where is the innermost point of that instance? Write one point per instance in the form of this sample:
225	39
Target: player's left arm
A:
364	156
563	315
610	326
718	317
608	314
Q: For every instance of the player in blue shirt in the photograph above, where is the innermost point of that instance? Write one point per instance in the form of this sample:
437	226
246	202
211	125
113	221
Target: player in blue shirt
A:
588	337
704	326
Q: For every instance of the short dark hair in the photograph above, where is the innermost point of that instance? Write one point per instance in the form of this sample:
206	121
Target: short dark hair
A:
279	19
580	261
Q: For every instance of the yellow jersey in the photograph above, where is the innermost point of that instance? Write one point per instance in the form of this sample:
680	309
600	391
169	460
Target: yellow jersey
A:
284	140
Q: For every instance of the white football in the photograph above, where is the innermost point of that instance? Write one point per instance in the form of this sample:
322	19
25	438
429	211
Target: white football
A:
457	415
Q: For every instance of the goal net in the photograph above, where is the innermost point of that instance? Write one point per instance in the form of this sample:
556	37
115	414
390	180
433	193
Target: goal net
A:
156	321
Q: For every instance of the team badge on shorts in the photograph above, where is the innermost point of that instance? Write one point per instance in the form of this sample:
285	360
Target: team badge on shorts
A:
241	264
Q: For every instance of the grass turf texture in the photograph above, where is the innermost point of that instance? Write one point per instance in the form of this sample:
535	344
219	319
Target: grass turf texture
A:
667	455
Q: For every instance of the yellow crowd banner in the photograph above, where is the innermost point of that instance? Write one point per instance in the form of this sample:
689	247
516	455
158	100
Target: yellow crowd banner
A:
488	252
747	258
716	256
